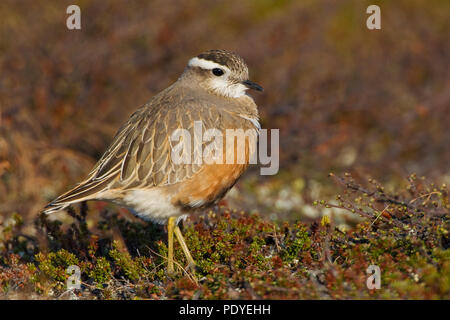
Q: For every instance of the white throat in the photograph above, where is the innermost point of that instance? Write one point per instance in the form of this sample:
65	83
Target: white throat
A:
222	87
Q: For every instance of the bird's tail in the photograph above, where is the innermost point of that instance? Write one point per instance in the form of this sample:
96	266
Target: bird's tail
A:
55	207
88	190
63	202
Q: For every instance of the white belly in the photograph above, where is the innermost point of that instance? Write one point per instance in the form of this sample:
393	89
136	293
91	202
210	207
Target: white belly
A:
150	205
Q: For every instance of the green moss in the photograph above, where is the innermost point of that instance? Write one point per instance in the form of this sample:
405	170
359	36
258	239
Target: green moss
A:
101	273
55	264
242	256
133	269
296	244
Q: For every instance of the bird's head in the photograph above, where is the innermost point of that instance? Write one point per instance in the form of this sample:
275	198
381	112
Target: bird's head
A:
221	72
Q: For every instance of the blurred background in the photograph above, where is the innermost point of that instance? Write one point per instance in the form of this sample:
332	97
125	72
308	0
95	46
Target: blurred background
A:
375	103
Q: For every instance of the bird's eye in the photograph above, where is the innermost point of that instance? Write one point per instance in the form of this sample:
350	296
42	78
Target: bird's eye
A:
217	72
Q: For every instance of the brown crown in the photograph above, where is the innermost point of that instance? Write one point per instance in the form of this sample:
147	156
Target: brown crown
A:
225	58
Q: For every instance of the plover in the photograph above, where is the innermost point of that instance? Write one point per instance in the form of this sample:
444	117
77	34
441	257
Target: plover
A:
137	170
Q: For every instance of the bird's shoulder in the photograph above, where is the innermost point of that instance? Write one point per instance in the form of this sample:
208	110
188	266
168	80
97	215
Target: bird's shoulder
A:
179	106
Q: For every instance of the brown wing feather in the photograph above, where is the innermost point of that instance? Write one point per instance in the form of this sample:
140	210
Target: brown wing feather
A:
139	155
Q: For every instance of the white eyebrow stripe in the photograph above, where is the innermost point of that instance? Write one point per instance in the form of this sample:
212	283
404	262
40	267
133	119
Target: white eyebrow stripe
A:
205	64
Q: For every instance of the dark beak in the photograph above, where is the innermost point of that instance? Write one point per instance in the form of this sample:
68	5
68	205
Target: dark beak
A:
252	85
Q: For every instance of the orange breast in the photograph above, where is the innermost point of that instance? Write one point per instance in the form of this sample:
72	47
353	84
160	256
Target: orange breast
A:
213	180
209	185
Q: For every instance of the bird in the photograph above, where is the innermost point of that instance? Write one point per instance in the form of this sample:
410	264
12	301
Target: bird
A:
138	171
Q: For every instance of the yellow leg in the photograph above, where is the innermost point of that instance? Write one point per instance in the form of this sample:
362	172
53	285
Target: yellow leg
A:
170	227
184	247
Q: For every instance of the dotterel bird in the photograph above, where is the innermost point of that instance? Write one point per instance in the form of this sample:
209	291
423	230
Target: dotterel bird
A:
137	170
